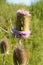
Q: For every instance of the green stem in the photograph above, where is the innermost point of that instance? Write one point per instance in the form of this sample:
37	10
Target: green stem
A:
3	62
19	41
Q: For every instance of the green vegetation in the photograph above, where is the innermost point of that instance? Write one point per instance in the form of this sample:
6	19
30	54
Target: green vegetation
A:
34	44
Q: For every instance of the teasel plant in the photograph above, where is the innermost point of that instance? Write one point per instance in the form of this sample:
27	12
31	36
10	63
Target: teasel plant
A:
21	31
4	48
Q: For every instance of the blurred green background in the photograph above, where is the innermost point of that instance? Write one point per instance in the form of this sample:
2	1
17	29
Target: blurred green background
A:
34	44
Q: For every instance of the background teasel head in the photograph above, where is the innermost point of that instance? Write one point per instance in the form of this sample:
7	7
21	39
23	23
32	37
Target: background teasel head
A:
22	20
4	46
19	56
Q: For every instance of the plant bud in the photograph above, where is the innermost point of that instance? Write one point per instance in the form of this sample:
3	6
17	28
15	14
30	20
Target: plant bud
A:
4	45
19	56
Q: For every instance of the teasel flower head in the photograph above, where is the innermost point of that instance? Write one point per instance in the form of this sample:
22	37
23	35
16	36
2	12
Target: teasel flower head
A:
4	45
22	24
20	56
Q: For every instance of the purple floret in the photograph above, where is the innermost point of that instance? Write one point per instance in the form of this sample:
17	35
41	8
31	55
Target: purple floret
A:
24	12
21	34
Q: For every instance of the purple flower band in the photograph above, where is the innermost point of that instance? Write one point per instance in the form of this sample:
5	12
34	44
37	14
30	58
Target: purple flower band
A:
21	34
24	12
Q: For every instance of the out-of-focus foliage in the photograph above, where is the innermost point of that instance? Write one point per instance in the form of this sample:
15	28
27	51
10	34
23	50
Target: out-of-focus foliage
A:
34	44
2	1
37	9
